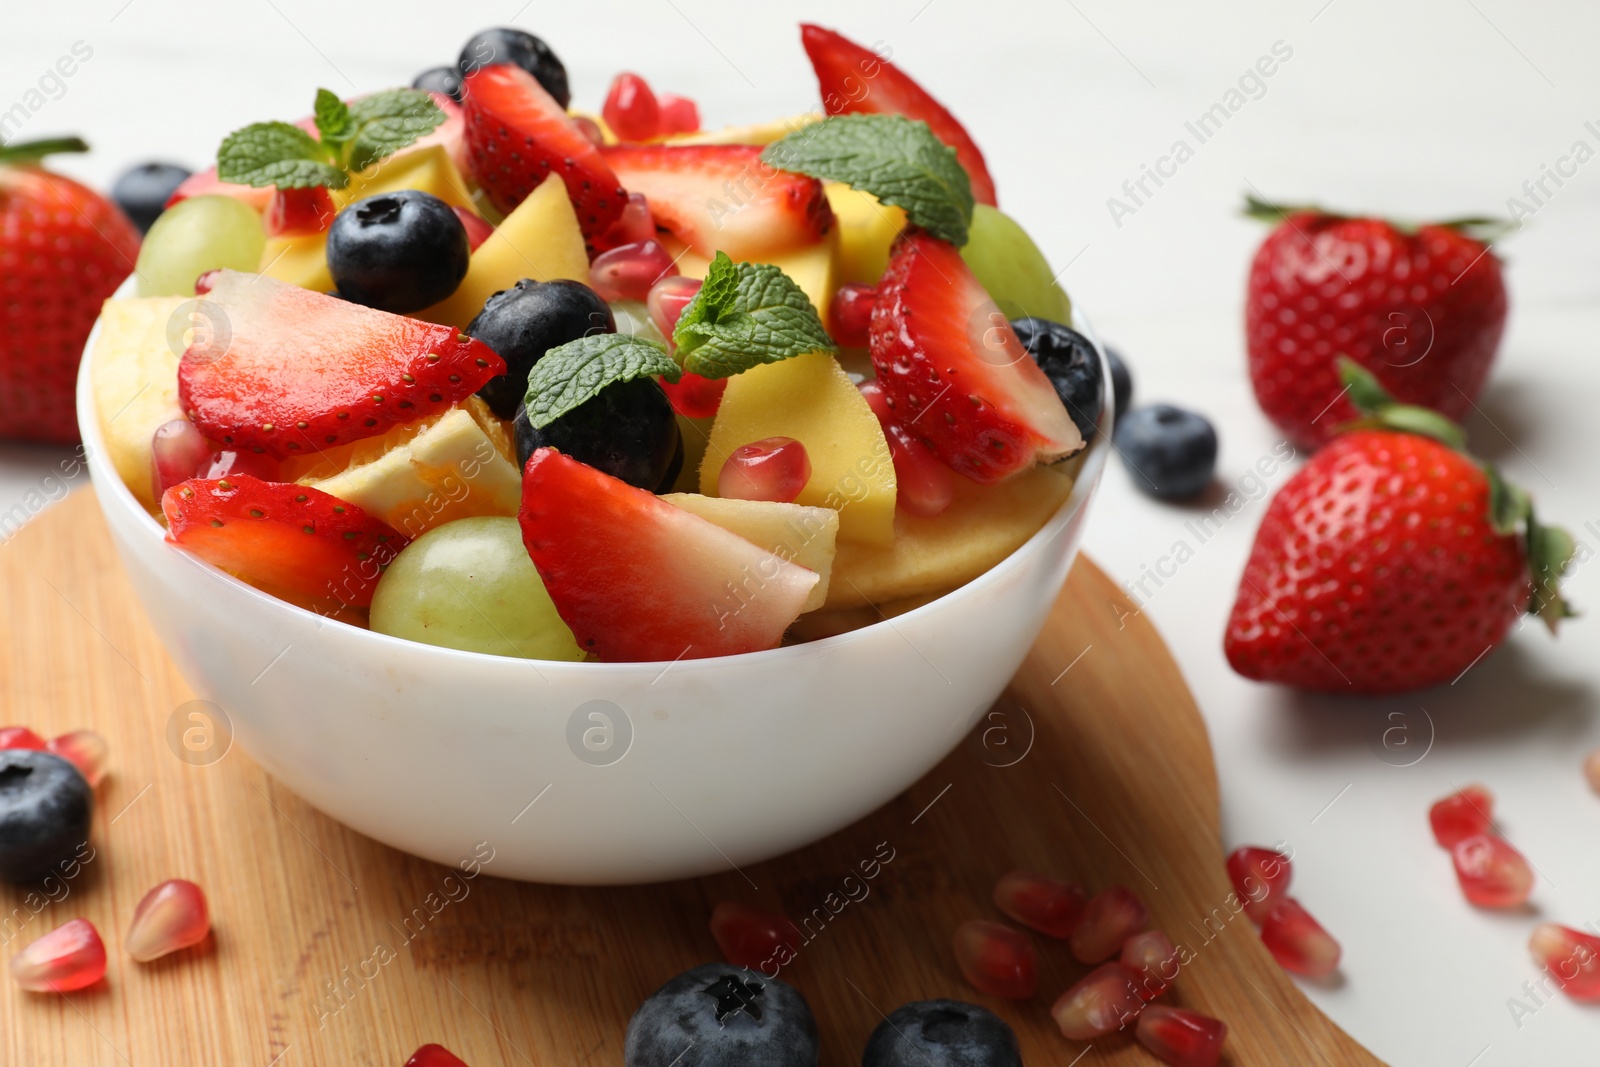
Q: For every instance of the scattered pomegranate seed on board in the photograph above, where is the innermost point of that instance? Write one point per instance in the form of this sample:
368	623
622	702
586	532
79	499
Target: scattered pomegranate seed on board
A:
1492	873
1462	814
71	956
1152	956
85	750
434	1056
1261	878
996	959
171	916
1103	1002
761	941
20	737
1571	956
1298	942
1181	1038
1052	906
1109	919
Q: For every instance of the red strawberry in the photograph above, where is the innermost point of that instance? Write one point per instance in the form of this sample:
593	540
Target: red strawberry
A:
288	371
1380	567
857	80
955	373
292	541
63	250
638	579
517	135
724	197
1423	311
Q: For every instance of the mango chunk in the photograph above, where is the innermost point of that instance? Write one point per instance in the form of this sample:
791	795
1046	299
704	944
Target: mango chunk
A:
865	230
134	373
792	532
810	267
759	133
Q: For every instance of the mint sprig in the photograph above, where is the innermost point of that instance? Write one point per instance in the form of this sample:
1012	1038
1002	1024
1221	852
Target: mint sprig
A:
896	159
746	314
574	373
350	137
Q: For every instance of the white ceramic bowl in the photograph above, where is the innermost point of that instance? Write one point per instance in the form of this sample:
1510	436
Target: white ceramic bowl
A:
590	773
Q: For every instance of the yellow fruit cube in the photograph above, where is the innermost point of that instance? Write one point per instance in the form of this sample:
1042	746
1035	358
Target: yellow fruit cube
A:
983	525
810	267
811	399
539	240
134	373
792	532
866	230
301	261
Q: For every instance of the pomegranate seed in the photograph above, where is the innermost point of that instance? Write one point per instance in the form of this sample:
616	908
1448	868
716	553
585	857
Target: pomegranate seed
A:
1049	905
1260	877
177	451
758	940
222	464
1181	1038
679	114
589	128
299	212
85	750
996	959
171	916
1492	873
69	957
20	737
628	271
1461	815
773	468
1152	956
1571	956
477	227
634	226
1103	1002
851	314
434	1056
668	297
203	284
1591	770
631	109
1298	942
695	397
924	485
1109	919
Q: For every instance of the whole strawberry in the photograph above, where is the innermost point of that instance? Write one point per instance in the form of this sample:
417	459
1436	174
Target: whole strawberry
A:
1420	309
1391	561
63	250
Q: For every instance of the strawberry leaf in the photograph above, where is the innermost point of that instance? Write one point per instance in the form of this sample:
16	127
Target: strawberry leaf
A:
1550	552
33	151
575	373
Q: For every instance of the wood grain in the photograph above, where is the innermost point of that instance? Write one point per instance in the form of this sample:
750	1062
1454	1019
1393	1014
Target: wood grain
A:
332	949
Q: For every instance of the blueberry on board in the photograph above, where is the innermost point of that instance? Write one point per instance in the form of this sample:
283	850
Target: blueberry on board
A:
722	1016
524	322
628	431
400	251
1169	452
446	80
942	1033
504	44
1072	365
1121	379
45	809
142	192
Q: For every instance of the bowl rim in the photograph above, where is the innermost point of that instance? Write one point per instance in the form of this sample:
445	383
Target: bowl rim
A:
105	479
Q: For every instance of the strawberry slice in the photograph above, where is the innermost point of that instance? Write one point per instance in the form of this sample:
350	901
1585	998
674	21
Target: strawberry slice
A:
293	541
517	134
954	371
724	197
288	371
855	80
638	579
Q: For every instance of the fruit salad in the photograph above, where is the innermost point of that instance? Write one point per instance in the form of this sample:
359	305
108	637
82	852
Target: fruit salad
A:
468	366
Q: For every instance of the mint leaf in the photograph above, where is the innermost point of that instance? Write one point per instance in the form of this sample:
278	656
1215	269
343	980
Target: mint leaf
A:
388	121
744	315
575	373
896	159
276	153
333	118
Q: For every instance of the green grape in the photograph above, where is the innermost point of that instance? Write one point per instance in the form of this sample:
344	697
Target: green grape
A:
196	235
1013	270
469	584
634	318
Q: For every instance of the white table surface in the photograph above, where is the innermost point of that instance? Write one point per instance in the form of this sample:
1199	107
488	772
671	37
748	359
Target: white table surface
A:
1420	108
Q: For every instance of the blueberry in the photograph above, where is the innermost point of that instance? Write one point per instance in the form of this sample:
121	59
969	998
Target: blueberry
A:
45	807
1121	379
628	431
730	1017
1072	365
400	251
524	322
942	1033
142	192
506	45
1169	451
446	80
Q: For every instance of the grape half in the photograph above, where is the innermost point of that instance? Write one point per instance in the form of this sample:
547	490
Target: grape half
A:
196	235
1012	269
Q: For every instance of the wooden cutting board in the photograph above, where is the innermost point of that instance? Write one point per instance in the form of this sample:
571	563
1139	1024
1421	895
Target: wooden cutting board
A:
329	948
